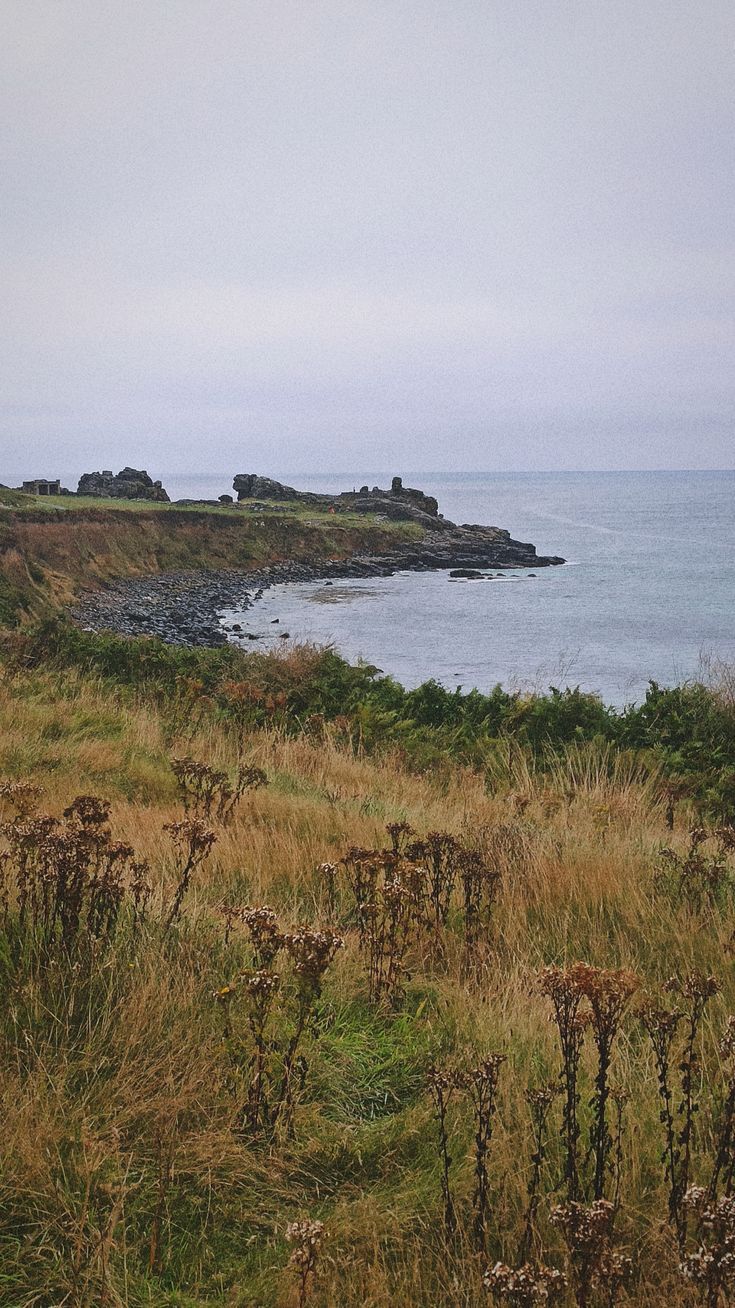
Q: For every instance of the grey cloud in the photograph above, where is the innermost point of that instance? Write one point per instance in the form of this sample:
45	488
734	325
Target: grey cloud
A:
476	234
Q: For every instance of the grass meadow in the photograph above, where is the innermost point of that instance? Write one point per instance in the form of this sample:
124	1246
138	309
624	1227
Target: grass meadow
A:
203	1106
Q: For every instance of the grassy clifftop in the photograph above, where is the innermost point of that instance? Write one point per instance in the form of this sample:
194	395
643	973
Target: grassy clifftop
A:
51	550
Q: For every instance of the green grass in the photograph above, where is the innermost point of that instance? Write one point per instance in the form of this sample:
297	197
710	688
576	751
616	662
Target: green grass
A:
13	499
302	513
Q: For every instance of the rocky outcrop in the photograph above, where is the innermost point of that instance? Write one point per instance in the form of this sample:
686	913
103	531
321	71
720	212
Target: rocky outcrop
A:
128	484
426	503
250	486
400	503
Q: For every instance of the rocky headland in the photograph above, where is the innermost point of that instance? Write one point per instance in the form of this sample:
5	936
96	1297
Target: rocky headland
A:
400	503
182	607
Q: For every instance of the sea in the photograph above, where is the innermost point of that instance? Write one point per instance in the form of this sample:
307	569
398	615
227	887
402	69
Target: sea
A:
647	592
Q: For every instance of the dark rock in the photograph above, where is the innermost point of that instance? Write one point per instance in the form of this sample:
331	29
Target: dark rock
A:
250	486
426	503
471	574
128	484
400	502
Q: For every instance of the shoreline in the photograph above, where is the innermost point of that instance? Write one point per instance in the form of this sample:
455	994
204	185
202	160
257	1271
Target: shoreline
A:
182	607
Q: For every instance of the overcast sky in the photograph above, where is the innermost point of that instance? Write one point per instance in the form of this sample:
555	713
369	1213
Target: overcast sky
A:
291	235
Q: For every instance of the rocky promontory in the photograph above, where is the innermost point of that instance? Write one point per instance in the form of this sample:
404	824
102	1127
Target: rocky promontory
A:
182	607
400	503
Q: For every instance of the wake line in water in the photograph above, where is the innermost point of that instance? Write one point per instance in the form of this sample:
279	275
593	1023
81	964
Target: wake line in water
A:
631	533
575	522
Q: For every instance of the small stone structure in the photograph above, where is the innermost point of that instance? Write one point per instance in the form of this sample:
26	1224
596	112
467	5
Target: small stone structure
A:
42	486
128	484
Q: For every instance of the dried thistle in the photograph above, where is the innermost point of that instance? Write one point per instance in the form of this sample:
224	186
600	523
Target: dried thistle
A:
482	1084
480	884
608	992
539	1102
695	990
327	873
67	880
307	1237
442	1085
702	877
311	953
261	924
587	1232
723	1166
261	988
442	855
711	1267
207	793
390	895
192	841
23	796
661	1025
400	833
560	986
268	1059
526	1286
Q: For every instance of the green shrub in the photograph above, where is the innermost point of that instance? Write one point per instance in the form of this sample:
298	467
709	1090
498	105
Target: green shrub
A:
688	731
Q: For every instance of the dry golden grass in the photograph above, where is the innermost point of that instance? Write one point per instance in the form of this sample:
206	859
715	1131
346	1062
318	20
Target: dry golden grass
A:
94	1083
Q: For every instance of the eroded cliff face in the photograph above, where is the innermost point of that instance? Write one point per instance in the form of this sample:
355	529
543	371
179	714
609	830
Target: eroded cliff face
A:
48	557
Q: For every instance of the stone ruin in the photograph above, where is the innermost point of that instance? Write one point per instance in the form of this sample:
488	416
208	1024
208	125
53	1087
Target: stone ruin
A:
128	484
43	486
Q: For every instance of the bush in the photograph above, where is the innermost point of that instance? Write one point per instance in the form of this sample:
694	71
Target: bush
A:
688	731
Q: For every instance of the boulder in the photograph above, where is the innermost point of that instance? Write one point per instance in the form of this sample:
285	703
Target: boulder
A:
250	486
128	484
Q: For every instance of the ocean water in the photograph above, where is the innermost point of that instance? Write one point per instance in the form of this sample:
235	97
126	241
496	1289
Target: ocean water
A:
648	591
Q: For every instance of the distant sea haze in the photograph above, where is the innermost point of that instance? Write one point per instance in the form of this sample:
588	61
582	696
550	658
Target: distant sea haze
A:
647	594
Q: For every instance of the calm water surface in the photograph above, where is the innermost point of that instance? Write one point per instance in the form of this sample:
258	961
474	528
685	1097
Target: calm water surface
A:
648	589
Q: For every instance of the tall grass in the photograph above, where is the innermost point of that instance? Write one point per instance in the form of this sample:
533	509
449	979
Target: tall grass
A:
130	1170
